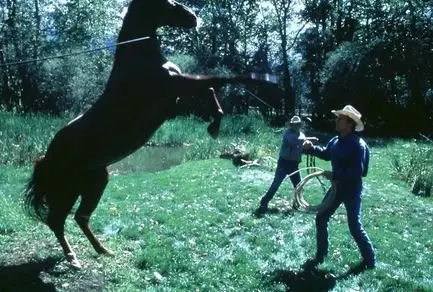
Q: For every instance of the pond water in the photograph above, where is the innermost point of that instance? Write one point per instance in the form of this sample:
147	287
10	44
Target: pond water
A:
149	159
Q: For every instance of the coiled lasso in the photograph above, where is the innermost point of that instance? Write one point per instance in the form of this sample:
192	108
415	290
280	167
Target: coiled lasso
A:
299	203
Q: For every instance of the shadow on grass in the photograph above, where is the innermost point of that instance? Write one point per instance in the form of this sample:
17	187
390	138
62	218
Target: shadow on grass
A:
260	212
305	280
312	279
26	277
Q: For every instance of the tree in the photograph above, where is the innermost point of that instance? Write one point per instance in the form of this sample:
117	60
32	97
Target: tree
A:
40	28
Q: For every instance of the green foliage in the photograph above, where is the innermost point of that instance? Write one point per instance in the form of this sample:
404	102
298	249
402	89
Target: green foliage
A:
25	138
339	74
11	215
378	58
414	165
73	84
42	28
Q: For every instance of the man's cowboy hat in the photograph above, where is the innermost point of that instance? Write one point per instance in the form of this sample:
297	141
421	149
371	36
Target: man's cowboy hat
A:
352	113
295	120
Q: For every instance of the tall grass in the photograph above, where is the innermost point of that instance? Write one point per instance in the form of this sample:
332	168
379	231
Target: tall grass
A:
413	164
24	138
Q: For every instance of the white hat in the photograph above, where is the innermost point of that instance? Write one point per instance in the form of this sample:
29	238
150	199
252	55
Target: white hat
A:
295	120
352	113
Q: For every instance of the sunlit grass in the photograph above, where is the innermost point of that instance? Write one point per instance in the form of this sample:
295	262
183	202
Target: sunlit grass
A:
24	138
191	227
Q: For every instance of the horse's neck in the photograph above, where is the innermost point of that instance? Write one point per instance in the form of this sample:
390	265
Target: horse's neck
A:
146	49
134	63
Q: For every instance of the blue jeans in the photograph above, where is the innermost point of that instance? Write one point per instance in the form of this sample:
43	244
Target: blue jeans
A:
350	195
284	167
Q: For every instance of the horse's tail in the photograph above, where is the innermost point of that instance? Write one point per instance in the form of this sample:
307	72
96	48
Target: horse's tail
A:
36	194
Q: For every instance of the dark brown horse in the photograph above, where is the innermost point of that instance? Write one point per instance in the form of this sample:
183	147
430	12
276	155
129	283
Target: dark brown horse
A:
140	95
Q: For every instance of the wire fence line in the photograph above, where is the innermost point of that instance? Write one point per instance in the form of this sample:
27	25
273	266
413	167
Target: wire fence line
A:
14	63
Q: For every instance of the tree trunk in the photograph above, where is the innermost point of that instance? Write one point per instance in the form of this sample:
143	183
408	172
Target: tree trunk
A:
28	91
282	12
37	39
7	92
289	101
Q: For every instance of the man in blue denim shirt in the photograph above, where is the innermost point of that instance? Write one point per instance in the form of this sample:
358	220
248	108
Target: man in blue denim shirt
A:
349	156
288	161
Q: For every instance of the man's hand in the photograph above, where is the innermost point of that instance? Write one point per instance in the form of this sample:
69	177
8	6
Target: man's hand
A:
327	174
307	145
312	139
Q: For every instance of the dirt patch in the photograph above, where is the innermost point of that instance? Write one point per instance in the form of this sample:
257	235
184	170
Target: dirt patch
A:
26	267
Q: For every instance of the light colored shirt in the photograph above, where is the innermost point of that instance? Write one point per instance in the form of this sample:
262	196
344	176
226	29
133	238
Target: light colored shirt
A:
291	146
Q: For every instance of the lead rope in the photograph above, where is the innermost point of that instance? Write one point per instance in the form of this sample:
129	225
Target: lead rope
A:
311	163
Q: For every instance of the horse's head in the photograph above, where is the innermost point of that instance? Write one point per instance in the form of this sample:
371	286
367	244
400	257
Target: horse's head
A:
157	13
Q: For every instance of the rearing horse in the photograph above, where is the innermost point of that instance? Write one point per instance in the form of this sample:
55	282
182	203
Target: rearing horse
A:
139	96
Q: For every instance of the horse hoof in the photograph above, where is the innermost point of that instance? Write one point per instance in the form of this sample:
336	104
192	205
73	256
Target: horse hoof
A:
109	253
73	261
76	265
106	252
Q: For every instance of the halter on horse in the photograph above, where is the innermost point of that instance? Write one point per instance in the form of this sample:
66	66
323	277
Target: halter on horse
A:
139	96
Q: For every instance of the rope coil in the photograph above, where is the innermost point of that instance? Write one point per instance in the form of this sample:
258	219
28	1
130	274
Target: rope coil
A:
300	203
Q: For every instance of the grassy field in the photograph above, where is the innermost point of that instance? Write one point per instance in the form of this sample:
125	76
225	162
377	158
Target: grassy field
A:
190	227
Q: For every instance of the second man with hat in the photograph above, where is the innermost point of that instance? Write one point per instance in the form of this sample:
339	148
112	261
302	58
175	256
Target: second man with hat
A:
288	160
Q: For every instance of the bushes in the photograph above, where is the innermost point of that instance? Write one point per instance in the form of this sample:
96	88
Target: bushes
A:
415	166
25	138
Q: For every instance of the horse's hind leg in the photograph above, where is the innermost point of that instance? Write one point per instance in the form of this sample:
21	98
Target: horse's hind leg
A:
56	221
91	192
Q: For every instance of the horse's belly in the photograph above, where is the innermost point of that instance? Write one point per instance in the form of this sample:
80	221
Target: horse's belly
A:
102	143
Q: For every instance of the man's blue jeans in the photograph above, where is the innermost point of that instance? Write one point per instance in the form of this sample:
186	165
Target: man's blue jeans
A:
284	167
350	195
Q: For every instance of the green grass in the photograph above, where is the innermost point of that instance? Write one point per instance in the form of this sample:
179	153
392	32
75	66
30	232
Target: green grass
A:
190	227
24	138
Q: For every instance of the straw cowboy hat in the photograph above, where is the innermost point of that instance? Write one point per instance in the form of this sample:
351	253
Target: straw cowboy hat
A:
295	120
352	113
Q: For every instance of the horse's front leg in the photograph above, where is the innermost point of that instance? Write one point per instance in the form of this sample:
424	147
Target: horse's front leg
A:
189	86
217	114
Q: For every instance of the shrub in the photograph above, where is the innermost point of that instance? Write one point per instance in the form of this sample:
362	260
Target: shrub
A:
25	138
414	165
